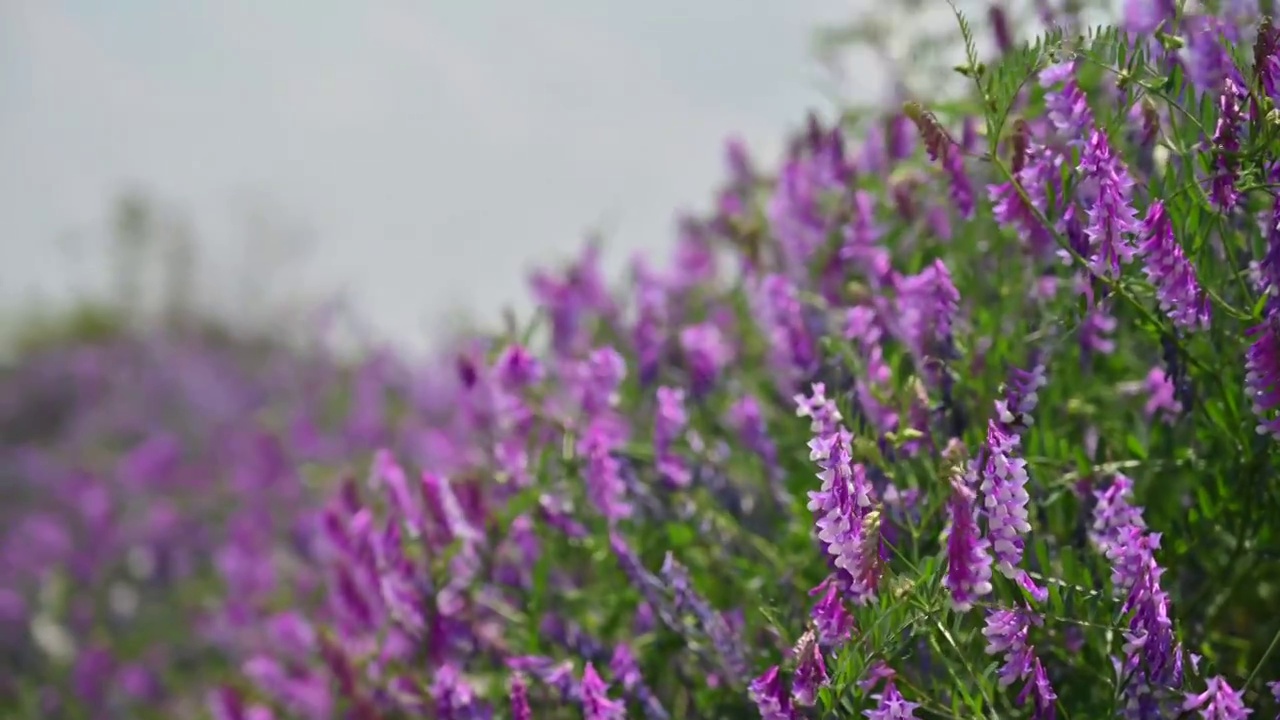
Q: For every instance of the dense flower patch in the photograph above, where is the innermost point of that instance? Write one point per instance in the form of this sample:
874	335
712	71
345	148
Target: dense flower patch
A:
967	411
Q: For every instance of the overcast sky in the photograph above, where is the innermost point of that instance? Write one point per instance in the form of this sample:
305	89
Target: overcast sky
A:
433	149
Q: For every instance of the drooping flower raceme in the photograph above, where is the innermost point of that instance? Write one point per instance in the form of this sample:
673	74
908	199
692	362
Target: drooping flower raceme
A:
1218	702
1169	270
596	704
1226	147
892	706
1112	219
968	575
771	697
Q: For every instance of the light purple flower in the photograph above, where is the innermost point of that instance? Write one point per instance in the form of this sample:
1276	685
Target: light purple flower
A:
1218	702
968	575
596	704
771	696
892	706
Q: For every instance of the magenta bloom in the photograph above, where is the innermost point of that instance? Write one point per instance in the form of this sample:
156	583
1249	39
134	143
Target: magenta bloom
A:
1226	144
1004	490
771	697
1218	702
596	704
892	705
1006	632
1112	219
1169	270
1262	372
968	553
811	672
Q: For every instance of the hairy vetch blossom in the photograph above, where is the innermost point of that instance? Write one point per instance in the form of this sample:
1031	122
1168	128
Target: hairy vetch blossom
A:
602	471
1067	106
596	704
830	618
1205	57
847	526
707	352
1169	270
1226	147
961	188
1162	396
780	314
1040	692
649	331
824	416
718	630
1142	17
745	417
670	421
1004	491
1262	370
771	696
968	553
1112	219
1007	633
892	706
1151	655
520	709
811	671
1218	701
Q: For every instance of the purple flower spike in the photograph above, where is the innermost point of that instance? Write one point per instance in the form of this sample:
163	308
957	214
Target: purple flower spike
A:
771	697
968	553
1112	219
596	704
811	672
892	705
1226	145
1006	632
520	699
1218	702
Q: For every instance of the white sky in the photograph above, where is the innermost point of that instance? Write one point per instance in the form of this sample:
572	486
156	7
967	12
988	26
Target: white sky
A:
435	149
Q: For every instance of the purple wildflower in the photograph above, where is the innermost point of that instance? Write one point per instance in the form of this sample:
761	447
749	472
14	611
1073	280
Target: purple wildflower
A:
968	553
771	696
961	187
707	353
811	671
602	472
780	314
824	417
847	526
1150	653
596	704
1040	692
1180	294
1142	17
1006	632
718	630
649	332
830	618
1162	396
1003	485
1068	106
670	421
1205	57
1218	702
892	706
747	420
1111	214
1226	146
1262	371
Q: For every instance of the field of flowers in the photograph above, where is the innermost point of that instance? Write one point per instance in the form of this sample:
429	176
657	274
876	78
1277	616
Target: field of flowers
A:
967	410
